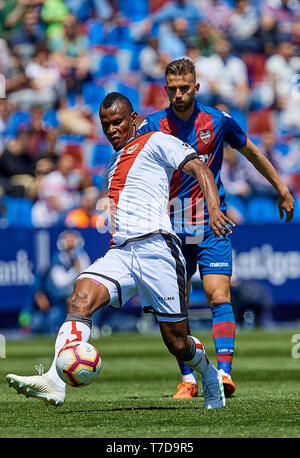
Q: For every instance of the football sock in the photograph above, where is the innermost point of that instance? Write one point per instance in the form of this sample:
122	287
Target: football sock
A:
198	359
187	374
76	327
223	323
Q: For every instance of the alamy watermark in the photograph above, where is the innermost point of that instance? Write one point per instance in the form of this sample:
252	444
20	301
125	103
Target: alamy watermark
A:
187	216
296	348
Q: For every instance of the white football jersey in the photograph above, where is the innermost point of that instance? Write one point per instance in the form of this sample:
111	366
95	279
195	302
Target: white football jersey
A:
139	178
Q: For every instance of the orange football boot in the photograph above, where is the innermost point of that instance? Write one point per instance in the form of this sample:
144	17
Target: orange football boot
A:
229	386
186	390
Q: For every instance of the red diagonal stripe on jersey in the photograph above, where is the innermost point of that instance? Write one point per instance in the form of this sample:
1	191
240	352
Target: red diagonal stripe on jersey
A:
125	163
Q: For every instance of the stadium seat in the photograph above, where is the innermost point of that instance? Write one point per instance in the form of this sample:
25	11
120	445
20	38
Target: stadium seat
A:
136	11
153	95
101	154
75	150
238	205
107	65
99	182
95	33
16	120
92	95
71	99
260	121
50	119
255	64
120	36
261	210
131	92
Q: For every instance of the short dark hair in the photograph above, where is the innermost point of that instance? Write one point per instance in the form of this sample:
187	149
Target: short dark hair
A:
180	67
113	97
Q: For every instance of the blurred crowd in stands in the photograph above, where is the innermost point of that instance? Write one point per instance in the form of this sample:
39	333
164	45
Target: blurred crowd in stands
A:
61	57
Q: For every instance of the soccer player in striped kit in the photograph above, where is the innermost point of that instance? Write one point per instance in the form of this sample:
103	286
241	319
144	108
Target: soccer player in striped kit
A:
144	256
205	129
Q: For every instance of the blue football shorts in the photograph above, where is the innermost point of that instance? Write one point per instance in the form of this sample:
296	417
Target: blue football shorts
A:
213	255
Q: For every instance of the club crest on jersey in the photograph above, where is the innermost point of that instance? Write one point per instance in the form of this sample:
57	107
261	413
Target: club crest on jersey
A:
132	148
205	136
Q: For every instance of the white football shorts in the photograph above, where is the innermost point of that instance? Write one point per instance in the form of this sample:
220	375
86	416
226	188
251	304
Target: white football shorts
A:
152	266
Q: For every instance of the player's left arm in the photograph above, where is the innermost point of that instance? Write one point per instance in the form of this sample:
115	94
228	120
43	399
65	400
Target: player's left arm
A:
264	166
218	222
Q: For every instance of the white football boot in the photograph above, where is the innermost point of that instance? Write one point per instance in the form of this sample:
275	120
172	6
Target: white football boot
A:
37	386
213	390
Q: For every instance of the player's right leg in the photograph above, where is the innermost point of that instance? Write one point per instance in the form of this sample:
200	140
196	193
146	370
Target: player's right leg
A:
48	387
92	290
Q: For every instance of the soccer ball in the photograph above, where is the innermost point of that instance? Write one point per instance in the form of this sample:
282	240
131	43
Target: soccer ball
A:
78	363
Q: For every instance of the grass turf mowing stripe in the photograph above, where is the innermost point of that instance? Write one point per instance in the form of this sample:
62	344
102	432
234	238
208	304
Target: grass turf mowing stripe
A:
131	398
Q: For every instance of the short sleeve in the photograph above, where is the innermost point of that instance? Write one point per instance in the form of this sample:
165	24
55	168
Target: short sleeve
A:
233	133
172	151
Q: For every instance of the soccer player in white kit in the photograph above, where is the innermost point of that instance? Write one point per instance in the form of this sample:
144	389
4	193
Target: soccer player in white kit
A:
144	256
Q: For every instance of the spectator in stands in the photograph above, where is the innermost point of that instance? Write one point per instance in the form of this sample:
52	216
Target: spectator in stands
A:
58	193
152	62
217	13
44	79
6	109
178	9
229	79
205	94
4	54
259	186
70	54
205	38
38	84
16	165
53	13
281	69
86	215
173	43
233	173
243	26
17	83
285	13
267	34
30	35
47	297
11	13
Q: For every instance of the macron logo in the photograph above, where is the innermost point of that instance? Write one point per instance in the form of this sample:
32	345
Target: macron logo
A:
219	264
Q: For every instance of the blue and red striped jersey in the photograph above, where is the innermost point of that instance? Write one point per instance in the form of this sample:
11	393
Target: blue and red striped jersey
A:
206	131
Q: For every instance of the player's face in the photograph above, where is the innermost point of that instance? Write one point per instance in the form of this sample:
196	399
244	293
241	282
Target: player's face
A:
118	124
181	90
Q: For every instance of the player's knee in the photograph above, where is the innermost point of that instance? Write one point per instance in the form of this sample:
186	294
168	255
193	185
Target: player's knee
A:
219	296
81	299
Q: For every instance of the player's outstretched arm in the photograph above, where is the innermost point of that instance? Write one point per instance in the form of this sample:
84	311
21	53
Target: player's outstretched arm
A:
264	166
218	222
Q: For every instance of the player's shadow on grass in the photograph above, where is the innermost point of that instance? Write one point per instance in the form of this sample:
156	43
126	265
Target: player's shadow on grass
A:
124	409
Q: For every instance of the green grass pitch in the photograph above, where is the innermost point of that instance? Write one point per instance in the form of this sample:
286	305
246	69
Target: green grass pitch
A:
131	398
